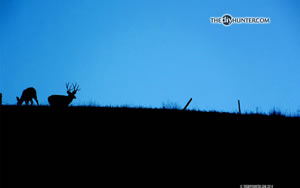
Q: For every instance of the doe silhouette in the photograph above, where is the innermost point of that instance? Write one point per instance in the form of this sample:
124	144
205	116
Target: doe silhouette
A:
27	95
64	100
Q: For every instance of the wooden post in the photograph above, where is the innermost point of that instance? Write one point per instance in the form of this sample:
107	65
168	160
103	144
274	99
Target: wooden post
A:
239	106
187	104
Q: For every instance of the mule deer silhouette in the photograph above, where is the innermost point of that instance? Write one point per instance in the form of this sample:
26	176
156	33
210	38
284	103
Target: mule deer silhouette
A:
64	100
27	95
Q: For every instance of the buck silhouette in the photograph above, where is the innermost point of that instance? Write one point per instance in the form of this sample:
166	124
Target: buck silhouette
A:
64	100
27	95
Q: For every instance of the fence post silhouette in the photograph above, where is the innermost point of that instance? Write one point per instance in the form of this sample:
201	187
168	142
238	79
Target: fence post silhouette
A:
187	104
239	104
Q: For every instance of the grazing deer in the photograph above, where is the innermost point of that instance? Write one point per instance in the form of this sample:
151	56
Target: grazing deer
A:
27	95
63	100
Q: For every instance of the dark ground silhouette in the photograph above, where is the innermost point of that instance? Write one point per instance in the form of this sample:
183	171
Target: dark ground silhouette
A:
88	146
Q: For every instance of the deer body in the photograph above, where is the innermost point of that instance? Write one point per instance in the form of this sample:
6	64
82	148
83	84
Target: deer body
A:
60	100
27	95
63	100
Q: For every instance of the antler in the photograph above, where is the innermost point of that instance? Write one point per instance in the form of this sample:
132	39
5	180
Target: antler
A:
68	87
75	88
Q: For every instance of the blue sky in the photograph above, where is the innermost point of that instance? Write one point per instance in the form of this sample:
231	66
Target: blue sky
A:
149	52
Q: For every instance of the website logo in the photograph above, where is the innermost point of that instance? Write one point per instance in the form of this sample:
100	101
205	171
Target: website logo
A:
228	20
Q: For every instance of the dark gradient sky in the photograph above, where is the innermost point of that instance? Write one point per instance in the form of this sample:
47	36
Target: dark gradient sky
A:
146	52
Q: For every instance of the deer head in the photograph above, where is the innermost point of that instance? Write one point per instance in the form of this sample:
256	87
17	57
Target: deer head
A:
72	90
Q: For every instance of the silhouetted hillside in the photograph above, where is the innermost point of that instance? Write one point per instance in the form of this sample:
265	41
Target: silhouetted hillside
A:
125	146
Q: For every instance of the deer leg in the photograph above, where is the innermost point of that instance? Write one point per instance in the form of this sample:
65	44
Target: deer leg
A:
26	102
31	102
37	102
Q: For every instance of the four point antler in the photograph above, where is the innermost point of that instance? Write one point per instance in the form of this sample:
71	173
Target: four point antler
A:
68	87
75	88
